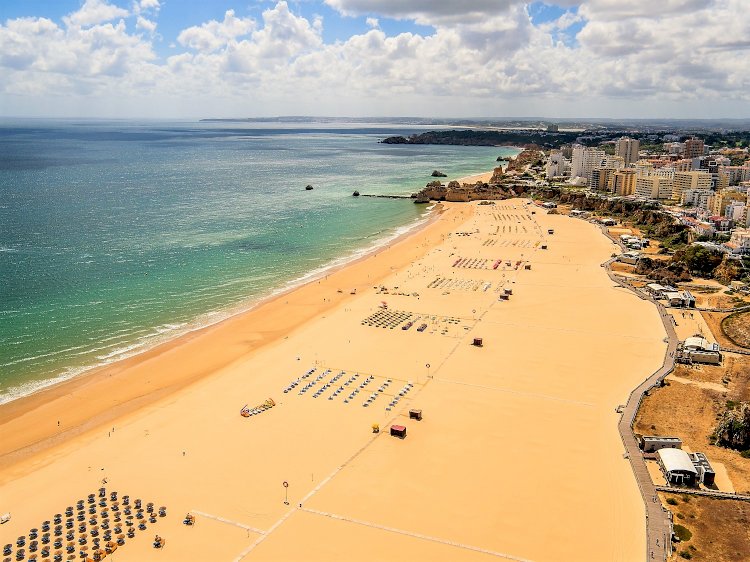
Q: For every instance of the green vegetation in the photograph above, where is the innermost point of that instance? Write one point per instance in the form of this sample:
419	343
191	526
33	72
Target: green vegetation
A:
683	533
671	501
686	554
699	260
487	138
733	428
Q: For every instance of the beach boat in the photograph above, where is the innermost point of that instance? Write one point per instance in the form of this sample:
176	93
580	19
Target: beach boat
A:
407	325
422	328
245	411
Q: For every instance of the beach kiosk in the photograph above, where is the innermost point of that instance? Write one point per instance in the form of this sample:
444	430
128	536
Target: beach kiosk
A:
398	431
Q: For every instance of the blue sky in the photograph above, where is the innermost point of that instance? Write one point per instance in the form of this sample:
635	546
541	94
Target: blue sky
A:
472	58
176	15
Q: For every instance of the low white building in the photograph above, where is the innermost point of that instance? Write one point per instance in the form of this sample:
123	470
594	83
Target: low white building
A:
677	466
653	443
629	257
680	298
658	291
697	349
739	242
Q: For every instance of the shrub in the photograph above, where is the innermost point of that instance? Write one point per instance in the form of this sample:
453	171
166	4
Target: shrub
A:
745	454
683	533
671	501
686	555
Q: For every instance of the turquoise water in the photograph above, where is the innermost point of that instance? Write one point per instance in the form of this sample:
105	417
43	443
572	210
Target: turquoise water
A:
117	235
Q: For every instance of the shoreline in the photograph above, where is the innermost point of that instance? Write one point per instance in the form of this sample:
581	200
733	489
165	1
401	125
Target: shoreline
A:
45	401
214	317
349	487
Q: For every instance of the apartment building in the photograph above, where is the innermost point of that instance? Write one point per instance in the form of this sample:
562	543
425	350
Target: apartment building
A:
627	149
690	180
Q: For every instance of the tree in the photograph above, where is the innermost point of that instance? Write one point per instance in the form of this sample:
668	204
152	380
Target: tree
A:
699	260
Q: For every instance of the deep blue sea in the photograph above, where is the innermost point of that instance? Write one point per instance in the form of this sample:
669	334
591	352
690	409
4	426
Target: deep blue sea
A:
116	235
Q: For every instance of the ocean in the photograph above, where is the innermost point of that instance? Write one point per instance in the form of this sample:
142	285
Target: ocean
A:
118	235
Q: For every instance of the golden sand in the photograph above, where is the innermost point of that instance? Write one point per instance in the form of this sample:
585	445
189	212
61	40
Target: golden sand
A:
517	457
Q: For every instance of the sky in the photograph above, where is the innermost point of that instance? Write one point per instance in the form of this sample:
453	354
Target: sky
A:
423	58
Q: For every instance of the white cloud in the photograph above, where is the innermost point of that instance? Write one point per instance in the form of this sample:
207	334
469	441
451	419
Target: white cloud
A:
480	57
214	35
93	12
150	5
145	24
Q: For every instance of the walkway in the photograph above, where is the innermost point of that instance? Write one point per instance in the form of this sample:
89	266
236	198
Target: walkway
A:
707	493
658	519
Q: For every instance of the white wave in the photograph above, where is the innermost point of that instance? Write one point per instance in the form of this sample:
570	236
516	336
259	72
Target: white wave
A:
167	332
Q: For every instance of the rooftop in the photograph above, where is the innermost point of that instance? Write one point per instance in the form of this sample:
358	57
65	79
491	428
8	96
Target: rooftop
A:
676	460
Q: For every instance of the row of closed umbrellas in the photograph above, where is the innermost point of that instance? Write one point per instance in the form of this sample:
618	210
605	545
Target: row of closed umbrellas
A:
100	525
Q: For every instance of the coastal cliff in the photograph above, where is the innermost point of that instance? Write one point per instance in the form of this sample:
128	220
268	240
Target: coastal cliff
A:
503	184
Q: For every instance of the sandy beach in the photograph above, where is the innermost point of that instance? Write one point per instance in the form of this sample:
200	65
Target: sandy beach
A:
517	456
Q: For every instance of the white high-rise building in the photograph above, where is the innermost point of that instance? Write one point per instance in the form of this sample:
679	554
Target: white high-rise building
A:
576	167
555	164
585	160
628	149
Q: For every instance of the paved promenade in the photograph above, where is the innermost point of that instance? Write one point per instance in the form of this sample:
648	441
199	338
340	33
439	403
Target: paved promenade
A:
658	519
